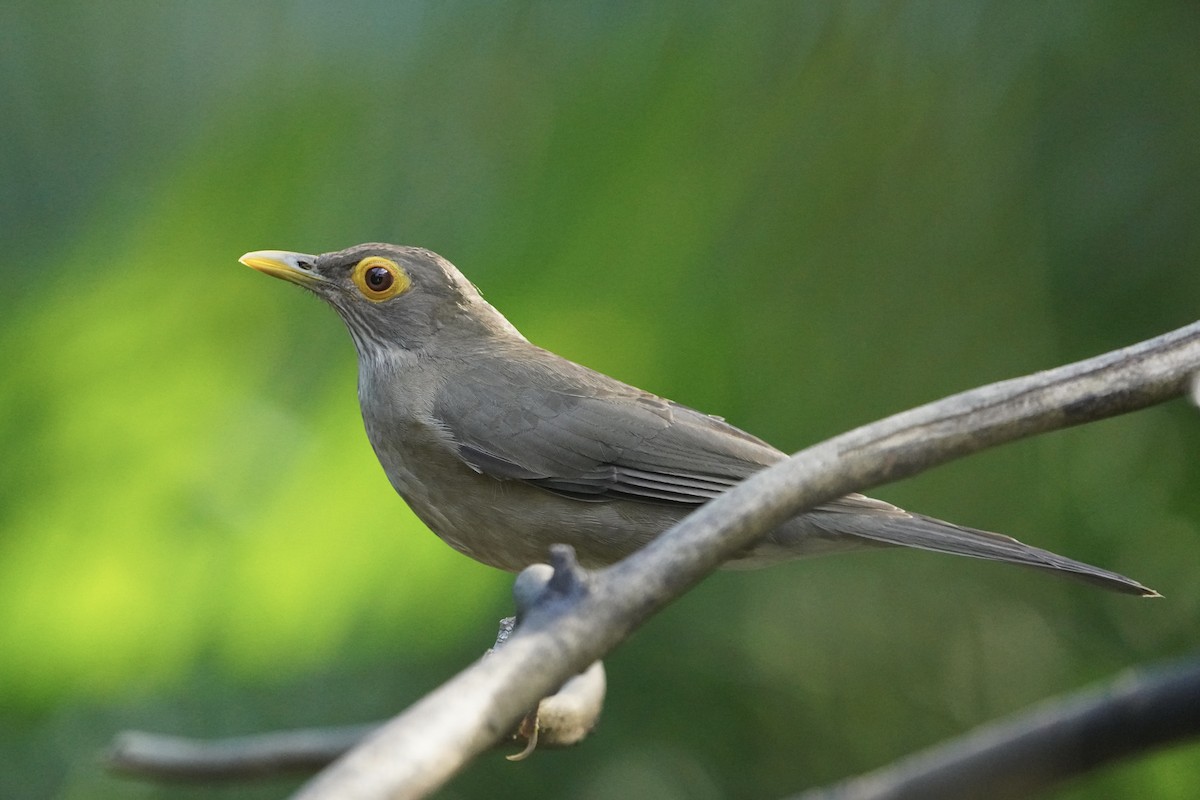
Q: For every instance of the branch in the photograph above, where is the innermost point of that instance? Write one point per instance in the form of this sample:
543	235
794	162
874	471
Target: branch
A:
1057	740
582	616
162	757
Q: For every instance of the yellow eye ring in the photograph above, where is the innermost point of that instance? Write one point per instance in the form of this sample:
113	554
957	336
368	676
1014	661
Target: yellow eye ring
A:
380	279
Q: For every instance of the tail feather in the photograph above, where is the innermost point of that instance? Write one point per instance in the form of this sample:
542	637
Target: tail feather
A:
855	521
927	533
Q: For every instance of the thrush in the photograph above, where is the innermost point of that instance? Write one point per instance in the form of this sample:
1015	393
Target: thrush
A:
503	448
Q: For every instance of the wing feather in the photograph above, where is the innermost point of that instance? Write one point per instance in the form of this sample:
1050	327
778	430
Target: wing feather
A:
576	432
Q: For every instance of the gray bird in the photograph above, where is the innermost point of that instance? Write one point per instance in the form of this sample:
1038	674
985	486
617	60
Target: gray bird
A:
503	448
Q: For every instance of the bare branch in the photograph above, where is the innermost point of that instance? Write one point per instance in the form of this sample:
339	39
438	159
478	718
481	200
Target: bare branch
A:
571	627
1055	741
176	758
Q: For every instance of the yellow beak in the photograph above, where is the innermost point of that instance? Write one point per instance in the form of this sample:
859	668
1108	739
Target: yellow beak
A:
293	267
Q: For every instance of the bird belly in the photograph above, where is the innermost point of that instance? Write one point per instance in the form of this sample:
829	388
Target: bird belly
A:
510	524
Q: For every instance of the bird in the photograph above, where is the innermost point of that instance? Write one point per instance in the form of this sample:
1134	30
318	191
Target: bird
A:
503	448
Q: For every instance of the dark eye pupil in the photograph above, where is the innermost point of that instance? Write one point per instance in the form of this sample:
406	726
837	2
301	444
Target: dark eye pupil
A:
378	279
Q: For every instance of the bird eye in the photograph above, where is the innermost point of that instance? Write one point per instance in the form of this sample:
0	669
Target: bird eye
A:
377	279
380	279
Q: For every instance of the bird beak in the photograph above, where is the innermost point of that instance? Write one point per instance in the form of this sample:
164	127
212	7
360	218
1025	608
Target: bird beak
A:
293	267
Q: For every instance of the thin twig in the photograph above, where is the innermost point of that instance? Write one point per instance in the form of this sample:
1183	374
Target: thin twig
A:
257	756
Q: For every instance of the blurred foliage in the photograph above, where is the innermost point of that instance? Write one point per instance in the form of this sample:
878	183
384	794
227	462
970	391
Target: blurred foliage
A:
801	216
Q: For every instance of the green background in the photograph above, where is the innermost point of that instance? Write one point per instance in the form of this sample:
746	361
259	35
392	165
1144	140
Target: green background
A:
800	216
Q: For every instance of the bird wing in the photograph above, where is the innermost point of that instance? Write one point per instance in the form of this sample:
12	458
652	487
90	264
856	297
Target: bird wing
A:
552	423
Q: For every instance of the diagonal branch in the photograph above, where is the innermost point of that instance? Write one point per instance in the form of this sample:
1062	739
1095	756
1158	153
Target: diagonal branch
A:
583	616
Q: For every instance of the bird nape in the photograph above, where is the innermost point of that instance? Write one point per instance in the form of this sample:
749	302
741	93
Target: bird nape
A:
503	448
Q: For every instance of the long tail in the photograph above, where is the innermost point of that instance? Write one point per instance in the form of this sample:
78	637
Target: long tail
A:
927	533
856	521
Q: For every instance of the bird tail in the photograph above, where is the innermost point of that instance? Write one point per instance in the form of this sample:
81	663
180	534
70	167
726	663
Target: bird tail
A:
855	521
927	533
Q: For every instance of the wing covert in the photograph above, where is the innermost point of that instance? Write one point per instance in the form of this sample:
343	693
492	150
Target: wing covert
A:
575	432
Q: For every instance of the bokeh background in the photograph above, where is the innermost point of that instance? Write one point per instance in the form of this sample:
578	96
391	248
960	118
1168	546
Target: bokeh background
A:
801	216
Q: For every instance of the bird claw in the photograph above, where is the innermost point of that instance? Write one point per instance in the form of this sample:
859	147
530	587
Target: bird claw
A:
528	729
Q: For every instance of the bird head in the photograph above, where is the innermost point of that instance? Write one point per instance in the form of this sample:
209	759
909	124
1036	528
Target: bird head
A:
388	295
